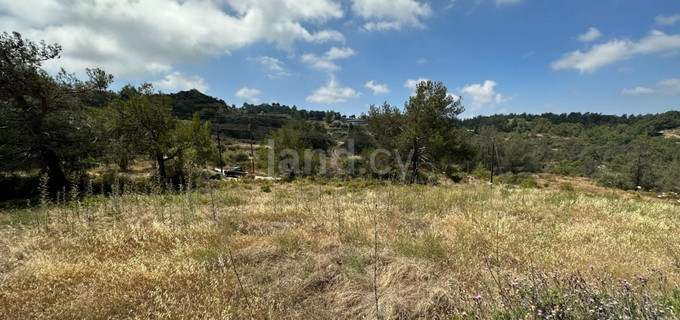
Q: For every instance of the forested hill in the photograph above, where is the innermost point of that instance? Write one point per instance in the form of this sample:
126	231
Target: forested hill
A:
627	151
572	123
186	103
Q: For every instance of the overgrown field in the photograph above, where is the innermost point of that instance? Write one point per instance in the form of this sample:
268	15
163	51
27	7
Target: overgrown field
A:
305	250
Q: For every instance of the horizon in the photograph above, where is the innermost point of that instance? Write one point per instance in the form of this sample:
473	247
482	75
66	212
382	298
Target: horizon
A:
501	56
461	118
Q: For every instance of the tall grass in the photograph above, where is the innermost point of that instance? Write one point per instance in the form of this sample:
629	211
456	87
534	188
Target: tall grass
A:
302	251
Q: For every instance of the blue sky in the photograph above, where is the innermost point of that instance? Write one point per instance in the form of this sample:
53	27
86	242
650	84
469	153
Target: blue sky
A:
534	56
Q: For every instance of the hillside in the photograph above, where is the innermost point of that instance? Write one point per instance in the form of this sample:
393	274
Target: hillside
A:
186	103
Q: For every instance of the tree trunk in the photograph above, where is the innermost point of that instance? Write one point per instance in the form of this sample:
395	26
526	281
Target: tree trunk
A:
162	175
57	178
414	160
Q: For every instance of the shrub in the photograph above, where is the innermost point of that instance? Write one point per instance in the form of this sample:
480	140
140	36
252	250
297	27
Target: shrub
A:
481	173
240	157
529	182
454	173
566	186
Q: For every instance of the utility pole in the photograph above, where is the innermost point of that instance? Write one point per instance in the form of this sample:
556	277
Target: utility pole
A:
493	153
219	149
252	152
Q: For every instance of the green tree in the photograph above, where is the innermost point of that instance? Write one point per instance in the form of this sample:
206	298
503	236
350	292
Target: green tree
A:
143	119
296	139
426	130
44	122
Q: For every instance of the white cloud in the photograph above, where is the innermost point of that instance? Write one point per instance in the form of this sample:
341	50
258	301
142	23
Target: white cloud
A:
666	86
589	36
616	50
670	86
274	67
411	83
638	90
421	61
339	53
391	14
657	41
332	92
325	62
135	38
667	20
482	94
177	81
377	88
249	94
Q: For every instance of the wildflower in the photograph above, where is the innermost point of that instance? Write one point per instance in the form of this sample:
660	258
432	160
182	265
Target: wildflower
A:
477	298
514	284
591	300
539	311
592	267
464	314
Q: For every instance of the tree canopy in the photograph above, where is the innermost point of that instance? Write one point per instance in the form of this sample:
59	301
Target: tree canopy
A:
44	122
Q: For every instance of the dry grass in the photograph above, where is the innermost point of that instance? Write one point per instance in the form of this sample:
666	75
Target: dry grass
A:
305	251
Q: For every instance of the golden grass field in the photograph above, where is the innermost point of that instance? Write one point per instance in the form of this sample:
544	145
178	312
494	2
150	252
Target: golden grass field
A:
307	250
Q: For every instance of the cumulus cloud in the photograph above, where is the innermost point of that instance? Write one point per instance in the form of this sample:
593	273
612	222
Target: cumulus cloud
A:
332	92
137	38
274	67
411	83
178	81
666	86
616	50
482	94
377	88
664	20
391	14
249	94
589	36
325	61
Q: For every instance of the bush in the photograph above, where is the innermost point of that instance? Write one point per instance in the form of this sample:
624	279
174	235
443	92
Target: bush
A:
529	182
566	186
481	173
266	188
567	168
455	173
240	157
